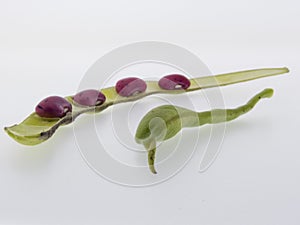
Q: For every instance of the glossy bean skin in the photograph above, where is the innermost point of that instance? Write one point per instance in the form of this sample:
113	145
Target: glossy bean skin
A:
89	98
174	82
130	86
53	107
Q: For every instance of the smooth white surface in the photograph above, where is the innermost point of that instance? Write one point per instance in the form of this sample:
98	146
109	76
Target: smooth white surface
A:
46	47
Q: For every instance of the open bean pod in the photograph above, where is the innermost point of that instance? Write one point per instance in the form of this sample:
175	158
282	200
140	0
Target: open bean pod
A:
39	127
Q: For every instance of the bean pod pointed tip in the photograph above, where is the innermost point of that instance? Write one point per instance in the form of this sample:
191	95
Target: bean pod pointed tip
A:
266	93
152	169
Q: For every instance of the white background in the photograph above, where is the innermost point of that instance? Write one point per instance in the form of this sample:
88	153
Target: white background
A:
47	46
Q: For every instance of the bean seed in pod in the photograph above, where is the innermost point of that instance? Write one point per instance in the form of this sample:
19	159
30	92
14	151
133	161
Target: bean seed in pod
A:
53	107
89	97
174	82
130	86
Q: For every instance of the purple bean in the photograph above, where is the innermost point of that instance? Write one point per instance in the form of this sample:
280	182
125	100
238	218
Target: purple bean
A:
89	97
53	107
130	86
174	82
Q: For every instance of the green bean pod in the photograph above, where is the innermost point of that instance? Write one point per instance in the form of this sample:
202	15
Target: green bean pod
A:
35	129
164	122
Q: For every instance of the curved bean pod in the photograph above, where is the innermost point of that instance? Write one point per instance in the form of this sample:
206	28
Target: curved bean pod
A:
164	122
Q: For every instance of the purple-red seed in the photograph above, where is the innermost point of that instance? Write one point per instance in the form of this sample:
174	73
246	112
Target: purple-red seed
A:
53	107
89	97
174	82
130	86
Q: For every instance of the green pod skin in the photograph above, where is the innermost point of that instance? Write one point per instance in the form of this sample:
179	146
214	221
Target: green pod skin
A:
164	122
34	129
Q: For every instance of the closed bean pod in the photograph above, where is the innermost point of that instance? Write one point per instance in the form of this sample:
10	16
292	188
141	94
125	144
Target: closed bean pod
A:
174	82
89	97
164	122
53	107
130	86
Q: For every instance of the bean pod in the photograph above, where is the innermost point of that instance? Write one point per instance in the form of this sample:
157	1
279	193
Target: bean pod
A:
164	122
53	107
174	82
89	97
130	86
